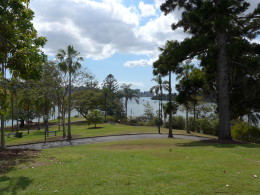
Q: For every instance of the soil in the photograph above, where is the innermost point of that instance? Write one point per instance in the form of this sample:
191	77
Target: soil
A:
8	154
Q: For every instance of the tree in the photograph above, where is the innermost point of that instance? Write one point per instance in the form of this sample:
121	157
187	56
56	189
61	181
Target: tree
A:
188	89
166	65
214	27
45	90
158	89
148	111
69	63
86	100
95	117
129	94
110	94
19	44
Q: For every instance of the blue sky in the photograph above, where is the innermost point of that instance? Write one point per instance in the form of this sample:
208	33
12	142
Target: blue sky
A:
119	37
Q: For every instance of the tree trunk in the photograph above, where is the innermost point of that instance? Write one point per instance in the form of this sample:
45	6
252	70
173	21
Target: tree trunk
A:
39	126
63	124
28	123
223	87
12	108
187	120
159	125
170	135
69	109
3	146
22	123
194	118
59	118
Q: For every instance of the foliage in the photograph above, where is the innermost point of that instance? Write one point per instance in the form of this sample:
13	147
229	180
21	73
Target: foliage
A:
19	43
220	37
94	117
110	96
178	122
4	102
111	119
148	111
86	100
128	94
245	132
207	126
70	62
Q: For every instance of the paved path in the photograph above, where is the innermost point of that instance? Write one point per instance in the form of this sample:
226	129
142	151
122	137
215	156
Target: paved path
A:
81	141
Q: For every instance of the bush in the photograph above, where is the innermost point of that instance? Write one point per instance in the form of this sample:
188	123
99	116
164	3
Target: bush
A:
178	122
208	126
244	132
110	119
193	124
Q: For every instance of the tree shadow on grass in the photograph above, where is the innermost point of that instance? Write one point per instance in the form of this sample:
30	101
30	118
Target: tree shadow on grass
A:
14	184
219	144
9	159
95	127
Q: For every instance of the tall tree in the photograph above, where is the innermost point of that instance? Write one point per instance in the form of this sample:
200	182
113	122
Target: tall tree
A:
110	94
19	44
69	63
158	89
214	27
166	65
129	94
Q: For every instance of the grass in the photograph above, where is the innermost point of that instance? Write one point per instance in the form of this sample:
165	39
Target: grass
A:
83	130
150	166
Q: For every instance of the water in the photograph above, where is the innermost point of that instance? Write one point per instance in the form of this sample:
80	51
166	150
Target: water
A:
133	109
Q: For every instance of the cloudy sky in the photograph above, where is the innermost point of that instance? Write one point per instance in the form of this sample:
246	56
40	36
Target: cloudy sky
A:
119	37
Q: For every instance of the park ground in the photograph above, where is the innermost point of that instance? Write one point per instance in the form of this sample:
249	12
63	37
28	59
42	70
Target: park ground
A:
144	166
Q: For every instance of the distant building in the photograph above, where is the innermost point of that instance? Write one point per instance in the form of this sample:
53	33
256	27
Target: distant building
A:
146	94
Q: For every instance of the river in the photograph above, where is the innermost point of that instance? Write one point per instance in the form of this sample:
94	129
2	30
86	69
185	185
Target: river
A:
133	108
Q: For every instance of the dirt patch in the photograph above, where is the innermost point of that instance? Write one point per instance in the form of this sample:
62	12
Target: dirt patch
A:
216	141
10	158
13	153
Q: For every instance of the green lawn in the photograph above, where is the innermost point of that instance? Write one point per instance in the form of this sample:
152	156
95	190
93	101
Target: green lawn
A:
83	130
150	166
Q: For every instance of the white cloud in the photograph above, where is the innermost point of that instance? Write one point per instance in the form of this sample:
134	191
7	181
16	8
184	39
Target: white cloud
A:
146	9
141	62
99	29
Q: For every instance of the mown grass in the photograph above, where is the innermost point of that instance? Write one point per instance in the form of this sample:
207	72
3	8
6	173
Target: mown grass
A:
150	166
83	130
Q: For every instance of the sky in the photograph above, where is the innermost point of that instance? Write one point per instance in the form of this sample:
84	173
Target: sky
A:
119	37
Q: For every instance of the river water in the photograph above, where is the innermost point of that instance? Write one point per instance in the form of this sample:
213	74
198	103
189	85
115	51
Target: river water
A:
133	109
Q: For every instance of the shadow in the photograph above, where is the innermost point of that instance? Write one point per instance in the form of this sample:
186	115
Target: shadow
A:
219	144
95	127
14	184
9	159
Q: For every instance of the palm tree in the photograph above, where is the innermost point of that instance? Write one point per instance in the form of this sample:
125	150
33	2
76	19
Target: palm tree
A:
158	89
69	63
129	94
166	65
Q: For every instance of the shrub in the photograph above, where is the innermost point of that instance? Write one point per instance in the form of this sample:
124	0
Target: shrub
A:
208	126
178	122
244	132
193	124
94	117
110	119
